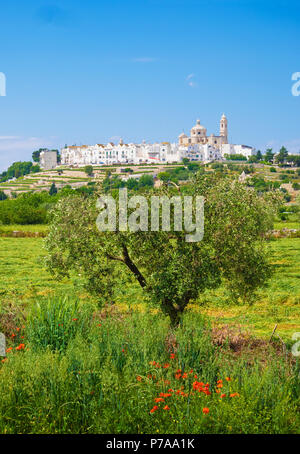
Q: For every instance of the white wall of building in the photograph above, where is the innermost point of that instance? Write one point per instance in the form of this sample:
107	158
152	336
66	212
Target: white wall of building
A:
48	160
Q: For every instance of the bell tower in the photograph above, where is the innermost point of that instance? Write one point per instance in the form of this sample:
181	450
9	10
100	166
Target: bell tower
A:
224	128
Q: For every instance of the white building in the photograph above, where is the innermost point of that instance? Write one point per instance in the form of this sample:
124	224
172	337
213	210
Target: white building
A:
120	154
48	159
197	147
243	150
204	153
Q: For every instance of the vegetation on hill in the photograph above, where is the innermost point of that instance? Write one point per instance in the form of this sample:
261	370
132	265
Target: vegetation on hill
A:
19	169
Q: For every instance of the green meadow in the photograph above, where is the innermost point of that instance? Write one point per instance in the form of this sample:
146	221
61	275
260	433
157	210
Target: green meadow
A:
73	367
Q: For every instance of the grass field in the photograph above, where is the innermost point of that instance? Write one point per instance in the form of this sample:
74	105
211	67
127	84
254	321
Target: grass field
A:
72	367
24	278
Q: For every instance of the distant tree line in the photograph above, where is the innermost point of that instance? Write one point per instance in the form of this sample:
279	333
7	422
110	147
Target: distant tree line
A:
19	169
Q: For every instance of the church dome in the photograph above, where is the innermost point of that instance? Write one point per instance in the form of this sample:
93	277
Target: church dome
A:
182	135
198	125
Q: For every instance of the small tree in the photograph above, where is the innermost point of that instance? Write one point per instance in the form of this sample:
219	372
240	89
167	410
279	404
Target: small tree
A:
53	189
3	196
282	155
164	176
171	271
259	155
89	170
269	155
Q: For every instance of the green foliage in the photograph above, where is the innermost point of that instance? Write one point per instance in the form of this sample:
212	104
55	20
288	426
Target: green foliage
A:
28	208
282	155
54	324
3	196
273	169
235	157
89	170
53	189
146	181
36	154
262	185
19	169
107	382
269	155
164	176
259	155
170	270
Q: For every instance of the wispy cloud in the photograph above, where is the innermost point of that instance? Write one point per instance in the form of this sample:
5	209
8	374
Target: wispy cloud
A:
190	79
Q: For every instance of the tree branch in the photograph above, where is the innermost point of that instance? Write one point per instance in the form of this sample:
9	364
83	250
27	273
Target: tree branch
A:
133	268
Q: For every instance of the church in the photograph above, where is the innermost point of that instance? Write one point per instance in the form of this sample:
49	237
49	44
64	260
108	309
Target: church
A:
199	136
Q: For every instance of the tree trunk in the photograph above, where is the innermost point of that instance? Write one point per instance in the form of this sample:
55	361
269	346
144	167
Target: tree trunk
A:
173	312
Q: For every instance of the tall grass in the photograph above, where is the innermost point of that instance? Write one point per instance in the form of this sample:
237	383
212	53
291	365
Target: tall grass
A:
54	323
102	373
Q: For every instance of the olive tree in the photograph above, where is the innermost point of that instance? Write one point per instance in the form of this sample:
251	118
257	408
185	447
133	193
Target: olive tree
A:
170	270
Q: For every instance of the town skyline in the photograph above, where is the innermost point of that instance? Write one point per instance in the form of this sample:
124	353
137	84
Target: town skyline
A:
69	80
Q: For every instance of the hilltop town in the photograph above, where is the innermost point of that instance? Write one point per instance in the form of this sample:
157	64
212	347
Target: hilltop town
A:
197	147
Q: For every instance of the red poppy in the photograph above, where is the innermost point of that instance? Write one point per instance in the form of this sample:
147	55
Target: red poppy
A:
154	409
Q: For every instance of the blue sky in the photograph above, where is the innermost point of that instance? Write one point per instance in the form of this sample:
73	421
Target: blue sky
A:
93	71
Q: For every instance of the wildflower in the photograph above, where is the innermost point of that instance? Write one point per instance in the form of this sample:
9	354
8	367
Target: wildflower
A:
75	319
177	376
154	409
191	371
220	385
234	395
223	395
8	349
139	378
172	356
20	347
220	381
184	375
227	378
166	407
152	363
205	410
166	366
13	335
3	360
17	329
170	390
99	324
159	399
